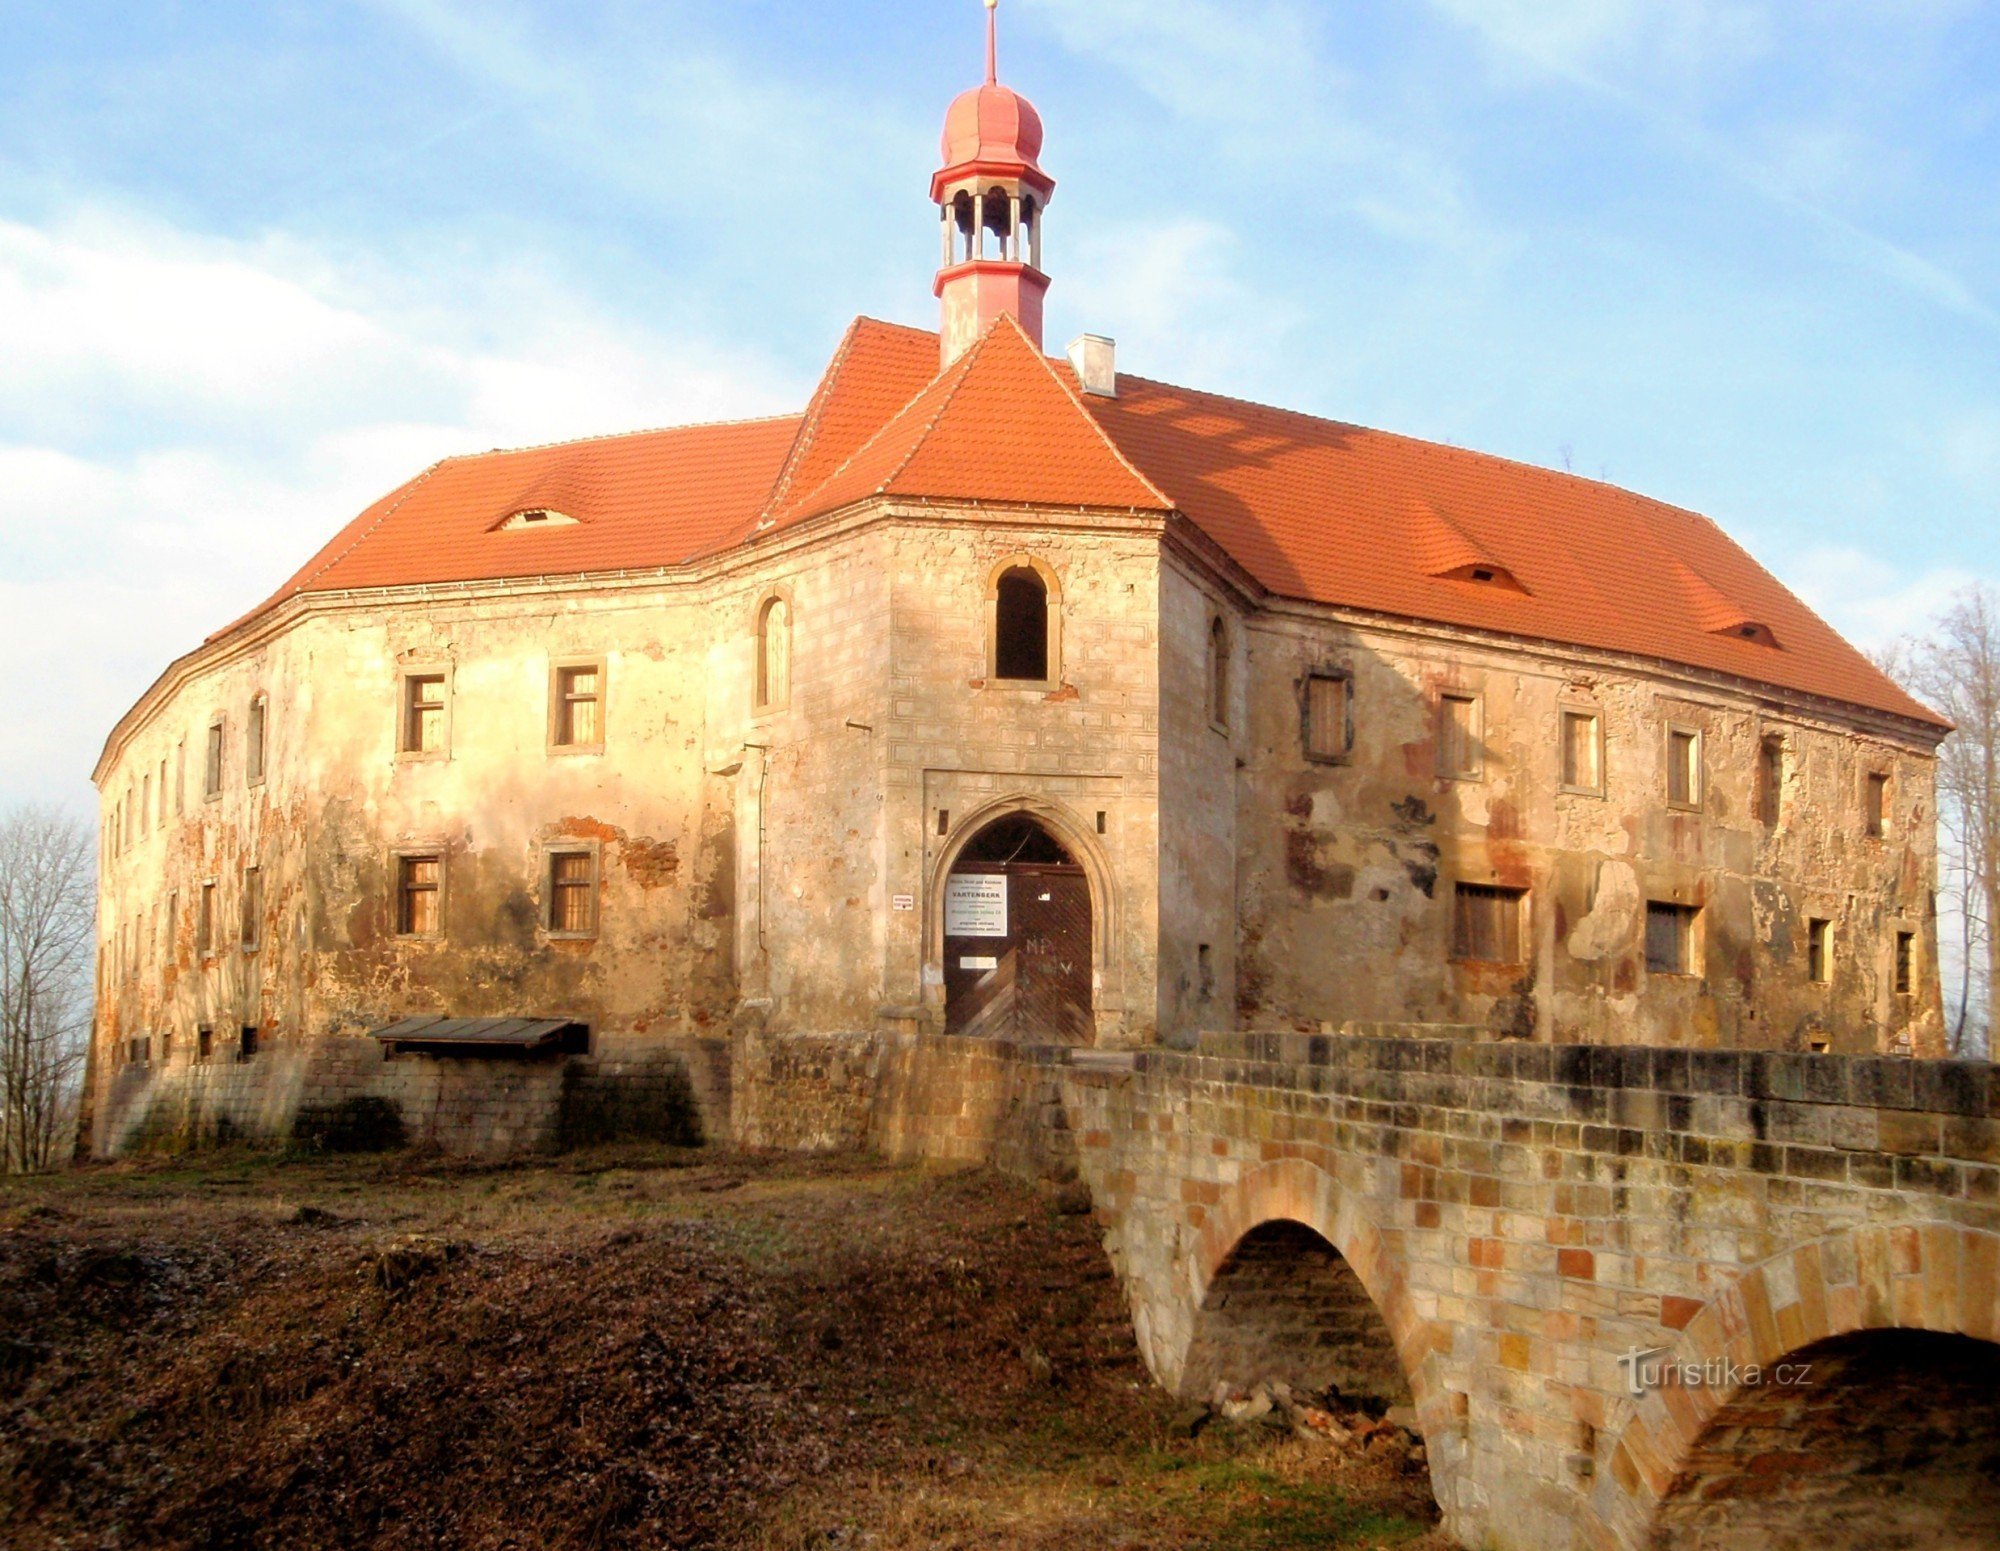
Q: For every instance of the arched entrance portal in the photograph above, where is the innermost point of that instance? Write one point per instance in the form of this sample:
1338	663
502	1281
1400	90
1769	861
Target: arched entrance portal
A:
1017	937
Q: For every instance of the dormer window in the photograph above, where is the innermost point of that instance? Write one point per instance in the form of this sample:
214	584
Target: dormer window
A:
1484	574
1750	630
536	517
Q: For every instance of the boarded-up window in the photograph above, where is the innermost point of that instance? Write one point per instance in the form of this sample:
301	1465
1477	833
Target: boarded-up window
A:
1771	782
1819	952
419	893
773	687
180	777
1021	627
1218	673
1460	752
204	923
1683	767
1327	712
253	743
169	946
211	784
579	706
1670	938
253	906
1582	752
145	802
1906	963
1486	924
423	713
572	892
1876	802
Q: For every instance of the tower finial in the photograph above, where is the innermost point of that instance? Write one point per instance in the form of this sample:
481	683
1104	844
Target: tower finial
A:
992	42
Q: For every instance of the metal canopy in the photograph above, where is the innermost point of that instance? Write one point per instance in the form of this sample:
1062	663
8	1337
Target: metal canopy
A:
483	1036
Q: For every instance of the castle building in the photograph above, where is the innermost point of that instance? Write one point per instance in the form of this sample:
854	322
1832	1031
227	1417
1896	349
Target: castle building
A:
992	693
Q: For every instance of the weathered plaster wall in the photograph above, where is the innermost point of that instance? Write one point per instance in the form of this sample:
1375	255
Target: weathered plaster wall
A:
1346	871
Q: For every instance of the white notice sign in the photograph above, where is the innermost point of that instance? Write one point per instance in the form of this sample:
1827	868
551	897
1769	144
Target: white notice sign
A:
975	905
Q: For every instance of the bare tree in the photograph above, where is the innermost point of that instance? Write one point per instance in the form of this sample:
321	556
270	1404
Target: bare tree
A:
47	910
1956	667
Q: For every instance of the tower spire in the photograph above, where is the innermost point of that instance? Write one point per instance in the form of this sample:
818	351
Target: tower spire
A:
991	193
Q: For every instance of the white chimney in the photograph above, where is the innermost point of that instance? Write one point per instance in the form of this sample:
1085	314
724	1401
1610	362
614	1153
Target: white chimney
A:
1096	361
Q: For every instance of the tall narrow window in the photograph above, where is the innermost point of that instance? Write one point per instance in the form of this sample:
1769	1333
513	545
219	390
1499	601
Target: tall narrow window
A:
1218	673
423	713
1906	963
1461	754
1021	627
169	946
1670	938
204	1043
1875	799
163	795
1327	717
211	781
419	895
1771	781
1486	924
1582	752
1819	952
1683	767
772	672
180	776
253	907
146	802
204	921
578	711
253	742
572	893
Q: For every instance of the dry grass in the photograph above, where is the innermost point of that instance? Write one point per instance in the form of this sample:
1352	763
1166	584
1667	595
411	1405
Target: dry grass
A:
629	1348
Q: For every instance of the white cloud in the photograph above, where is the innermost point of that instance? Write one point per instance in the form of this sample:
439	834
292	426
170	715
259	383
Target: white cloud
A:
1867	599
1579	38
184	419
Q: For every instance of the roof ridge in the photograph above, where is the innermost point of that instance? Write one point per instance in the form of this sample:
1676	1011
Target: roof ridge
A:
959	369
809	422
1083	409
615	436
299	583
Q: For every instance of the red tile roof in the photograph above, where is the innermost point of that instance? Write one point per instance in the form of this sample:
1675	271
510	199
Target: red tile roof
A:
1313	509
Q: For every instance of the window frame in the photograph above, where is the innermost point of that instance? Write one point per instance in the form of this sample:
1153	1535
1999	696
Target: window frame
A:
1219	681
207	904
1819	950
1697	772
1565	710
771	693
1876	786
1689	939
257	739
400	859
1515	898
1773	763
560	701
1052	600
250	907
1327	675
1903	964
593	852
1477	700
407	677
215	758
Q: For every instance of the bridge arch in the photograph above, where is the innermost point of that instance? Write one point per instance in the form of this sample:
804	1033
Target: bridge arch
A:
1291	1247
1892	1437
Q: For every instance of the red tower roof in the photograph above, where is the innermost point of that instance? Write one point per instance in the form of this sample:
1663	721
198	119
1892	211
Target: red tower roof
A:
993	123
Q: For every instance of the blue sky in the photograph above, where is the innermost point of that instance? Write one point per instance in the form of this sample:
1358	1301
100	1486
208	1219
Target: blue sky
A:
261	261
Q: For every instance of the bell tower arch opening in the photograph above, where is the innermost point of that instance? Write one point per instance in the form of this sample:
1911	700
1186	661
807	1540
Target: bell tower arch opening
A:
1019	937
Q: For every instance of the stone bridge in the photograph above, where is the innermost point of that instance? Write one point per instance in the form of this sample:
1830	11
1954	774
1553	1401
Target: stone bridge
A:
1805	1246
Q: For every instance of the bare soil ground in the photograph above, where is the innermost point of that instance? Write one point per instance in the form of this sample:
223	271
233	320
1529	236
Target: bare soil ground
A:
635	1348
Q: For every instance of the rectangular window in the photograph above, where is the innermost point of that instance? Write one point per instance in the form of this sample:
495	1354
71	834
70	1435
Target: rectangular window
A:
1906	963
1771	782
419	895
169	946
204	924
572	893
253	743
211	781
246	1044
180	776
1486	924
1819	952
1876	801
1670	938
1460	750
423	713
163	795
1327	717
204	1043
1582	752
1683	767
146	803
253	907
578	719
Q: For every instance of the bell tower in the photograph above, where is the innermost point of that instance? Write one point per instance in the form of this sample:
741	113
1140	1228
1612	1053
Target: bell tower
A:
991	193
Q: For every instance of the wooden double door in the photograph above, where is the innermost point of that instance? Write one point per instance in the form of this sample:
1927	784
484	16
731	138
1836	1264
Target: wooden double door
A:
1018	952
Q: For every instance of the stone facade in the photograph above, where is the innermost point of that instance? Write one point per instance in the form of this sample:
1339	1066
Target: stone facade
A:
784	864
